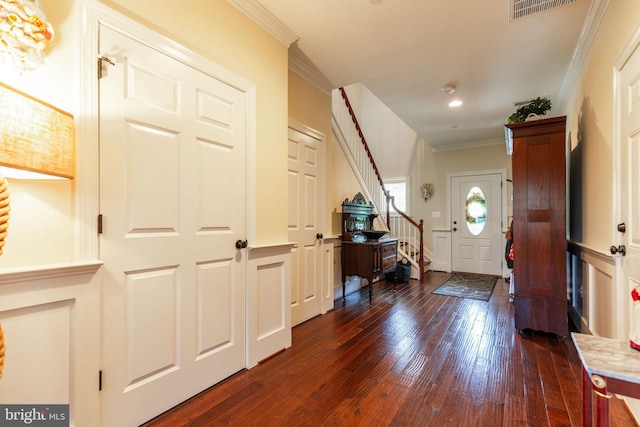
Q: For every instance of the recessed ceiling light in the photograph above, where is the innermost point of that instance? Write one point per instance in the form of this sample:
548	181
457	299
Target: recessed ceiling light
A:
455	103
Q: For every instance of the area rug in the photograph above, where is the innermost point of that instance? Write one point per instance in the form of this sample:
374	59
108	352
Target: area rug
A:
467	285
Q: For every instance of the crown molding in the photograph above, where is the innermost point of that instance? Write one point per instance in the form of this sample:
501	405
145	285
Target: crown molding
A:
302	66
298	62
591	23
261	16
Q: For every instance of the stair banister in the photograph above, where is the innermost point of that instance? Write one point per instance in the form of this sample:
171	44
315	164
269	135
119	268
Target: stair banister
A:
367	150
419	226
412	238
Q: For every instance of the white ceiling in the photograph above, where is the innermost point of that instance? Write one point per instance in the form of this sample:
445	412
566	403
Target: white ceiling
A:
405	51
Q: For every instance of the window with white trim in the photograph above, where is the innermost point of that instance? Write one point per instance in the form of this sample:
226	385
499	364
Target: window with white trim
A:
399	189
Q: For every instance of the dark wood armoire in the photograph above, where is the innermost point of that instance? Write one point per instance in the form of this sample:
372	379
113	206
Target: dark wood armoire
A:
539	230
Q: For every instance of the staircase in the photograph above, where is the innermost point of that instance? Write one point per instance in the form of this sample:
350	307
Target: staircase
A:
409	232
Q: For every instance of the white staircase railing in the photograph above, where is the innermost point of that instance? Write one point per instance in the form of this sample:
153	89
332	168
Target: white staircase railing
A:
400	226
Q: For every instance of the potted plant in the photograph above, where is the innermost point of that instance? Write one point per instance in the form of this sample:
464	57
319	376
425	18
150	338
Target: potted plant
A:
531	110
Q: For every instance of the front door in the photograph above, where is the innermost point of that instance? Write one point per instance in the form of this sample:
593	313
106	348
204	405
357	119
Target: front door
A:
476	223
172	186
306	184
629	181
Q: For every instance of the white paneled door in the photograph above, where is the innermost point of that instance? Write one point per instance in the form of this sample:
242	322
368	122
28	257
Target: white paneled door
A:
172	192
306	191
476	218
628	234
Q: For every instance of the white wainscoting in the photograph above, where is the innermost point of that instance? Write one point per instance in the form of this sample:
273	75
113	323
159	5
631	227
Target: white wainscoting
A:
441	250
329	270
597	306
50	317
268	301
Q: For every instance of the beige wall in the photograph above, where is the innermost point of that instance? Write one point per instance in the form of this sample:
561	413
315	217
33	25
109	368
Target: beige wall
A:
590	123
309	105
440	164
42	224
344	186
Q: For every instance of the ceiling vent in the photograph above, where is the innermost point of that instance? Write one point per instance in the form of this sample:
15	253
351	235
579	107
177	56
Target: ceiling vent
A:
522	8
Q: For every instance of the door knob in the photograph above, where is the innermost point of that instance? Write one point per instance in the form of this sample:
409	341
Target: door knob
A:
319	236
622	227
618	250
455	229
241	244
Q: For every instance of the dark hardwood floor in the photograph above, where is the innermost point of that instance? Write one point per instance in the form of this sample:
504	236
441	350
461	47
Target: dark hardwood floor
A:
412	359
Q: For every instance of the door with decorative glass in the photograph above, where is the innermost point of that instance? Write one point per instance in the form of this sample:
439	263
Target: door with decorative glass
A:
476	223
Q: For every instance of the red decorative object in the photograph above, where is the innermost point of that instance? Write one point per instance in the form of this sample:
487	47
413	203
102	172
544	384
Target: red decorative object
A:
634	339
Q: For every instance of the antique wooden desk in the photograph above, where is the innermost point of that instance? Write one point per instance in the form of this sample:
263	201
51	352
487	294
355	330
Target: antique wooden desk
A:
369	260
608	366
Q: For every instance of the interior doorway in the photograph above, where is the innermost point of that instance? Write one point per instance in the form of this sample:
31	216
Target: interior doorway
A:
306	162
172	194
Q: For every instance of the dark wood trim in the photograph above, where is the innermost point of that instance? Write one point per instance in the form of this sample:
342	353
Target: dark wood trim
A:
362	138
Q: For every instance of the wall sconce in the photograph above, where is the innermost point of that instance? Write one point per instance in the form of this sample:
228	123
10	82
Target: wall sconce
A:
427	191
37	141
24	33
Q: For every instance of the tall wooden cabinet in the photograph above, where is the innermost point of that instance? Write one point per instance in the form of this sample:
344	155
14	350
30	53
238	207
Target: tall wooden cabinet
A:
539	230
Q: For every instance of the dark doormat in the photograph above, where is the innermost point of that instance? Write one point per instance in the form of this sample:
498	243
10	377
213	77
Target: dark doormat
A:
467	285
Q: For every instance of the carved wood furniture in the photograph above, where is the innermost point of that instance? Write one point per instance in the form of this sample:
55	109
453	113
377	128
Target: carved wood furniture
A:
539	231
368	259
357	216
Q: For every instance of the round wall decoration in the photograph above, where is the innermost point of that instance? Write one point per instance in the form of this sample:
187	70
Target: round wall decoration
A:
427	191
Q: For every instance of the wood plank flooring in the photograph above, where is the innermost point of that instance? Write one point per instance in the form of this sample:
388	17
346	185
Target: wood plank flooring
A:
411	359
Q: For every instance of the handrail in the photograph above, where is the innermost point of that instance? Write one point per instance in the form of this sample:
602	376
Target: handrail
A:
419	226
366	146
408	231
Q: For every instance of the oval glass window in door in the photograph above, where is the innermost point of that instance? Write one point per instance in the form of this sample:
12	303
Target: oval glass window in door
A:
476	211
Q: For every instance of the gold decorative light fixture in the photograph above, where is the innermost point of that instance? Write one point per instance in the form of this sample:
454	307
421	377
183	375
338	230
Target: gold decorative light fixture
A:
37	140
24	33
